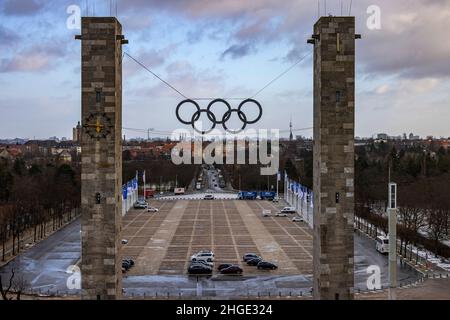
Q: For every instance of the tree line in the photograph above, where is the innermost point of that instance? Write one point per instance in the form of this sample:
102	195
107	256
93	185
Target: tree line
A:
34	196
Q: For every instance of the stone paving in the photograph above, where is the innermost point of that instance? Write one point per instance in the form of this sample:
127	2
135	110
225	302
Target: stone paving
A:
162	242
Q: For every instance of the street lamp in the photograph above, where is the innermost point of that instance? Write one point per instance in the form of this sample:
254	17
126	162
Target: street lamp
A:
392	212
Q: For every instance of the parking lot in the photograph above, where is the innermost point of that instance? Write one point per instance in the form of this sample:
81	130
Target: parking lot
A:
161	243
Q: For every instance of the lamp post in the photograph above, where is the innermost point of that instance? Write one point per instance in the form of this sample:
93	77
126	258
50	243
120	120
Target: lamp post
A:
392	212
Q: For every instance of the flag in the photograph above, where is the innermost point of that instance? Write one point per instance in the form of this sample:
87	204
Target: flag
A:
143	178
124	192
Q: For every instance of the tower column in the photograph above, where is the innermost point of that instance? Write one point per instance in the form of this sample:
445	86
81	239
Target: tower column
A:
334	122
101	146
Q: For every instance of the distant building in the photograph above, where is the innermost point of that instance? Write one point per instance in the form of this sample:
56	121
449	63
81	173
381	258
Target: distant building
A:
65	156
10	153
413	137
76	133
5	155
382	136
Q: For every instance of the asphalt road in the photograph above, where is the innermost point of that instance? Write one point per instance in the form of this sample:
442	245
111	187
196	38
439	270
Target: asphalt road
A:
45	267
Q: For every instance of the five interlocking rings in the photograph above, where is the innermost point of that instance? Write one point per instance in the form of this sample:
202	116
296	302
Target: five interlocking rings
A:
212	117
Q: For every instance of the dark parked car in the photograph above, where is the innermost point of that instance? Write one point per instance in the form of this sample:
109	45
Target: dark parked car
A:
130	261
265	265
126	265
199	269
232	270
254	262
250	256
224	266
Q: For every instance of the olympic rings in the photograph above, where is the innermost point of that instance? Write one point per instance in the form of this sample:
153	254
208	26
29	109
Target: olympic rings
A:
218	120
241	116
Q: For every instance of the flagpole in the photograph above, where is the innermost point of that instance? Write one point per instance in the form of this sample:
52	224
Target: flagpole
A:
143	180
278	179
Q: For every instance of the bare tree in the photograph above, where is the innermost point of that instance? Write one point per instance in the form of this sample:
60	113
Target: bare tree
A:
20	285
4	292
437	225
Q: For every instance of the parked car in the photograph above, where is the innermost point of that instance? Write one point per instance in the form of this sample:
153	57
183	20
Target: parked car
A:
206	256
266	213
199	269
140	204
203	262
224	266
152	209
281	214
275	199
206	251
297	219
265	265
254	262
208	197
250	256
267	195
234	269
288	210
124	241
126	265
128	260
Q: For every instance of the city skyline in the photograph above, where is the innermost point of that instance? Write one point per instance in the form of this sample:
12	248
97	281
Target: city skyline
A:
241	48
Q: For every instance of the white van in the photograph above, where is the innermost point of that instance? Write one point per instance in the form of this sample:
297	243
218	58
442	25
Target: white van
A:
382	244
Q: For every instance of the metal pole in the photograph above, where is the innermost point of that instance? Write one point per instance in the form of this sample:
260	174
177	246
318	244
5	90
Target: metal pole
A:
392	211
278	176
392	253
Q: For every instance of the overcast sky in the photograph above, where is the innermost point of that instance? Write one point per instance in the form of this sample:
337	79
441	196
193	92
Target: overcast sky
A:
223	48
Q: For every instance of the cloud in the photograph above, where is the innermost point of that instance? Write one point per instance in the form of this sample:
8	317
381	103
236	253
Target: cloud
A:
382	89
412	43
22	7
37	57
237	51
8	36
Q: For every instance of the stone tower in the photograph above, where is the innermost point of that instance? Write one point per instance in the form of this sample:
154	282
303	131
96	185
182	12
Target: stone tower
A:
334	123
101	146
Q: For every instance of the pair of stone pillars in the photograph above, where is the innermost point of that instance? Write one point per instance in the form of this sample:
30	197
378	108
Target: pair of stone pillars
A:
334	85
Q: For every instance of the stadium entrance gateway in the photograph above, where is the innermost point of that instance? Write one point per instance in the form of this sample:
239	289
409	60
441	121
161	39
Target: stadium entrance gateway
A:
101	141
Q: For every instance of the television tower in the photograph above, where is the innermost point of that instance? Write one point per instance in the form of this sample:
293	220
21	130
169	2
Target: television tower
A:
291	136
